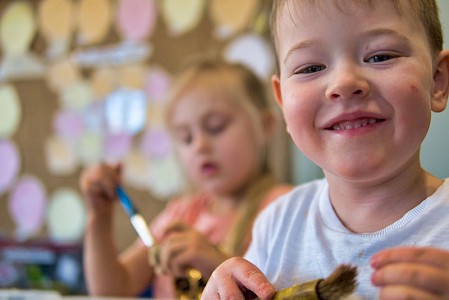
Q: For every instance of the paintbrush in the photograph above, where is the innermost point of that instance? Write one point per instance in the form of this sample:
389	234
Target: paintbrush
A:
138	222
188	287
342	282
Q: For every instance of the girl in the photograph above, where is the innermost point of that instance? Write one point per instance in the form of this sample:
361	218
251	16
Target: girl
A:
221	123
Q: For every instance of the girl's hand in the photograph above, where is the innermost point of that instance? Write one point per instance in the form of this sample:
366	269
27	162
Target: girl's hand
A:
412	273
183	247
98	185
236	278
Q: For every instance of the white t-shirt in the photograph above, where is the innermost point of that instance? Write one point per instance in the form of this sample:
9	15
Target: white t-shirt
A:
300	238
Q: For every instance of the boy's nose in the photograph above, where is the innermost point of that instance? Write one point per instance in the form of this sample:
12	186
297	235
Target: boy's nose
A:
347	82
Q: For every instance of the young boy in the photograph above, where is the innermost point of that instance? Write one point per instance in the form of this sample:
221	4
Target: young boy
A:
357	83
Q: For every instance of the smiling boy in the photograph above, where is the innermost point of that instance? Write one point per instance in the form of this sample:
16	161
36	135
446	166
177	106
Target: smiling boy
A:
357	83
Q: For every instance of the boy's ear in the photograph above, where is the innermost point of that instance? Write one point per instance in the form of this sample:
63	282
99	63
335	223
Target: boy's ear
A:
276	86
441	81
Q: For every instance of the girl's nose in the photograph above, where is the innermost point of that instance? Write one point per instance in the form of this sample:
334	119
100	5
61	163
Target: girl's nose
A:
201	142
347	82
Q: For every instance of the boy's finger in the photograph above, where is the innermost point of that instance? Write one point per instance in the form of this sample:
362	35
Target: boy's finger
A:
432	256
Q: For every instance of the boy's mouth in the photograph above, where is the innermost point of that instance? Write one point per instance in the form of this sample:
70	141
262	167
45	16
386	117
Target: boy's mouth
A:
354	124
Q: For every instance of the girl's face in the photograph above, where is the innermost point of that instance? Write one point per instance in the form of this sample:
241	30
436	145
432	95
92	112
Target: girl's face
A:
215	141
356	87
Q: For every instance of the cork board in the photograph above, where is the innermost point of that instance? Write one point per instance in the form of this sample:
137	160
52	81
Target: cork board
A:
39	104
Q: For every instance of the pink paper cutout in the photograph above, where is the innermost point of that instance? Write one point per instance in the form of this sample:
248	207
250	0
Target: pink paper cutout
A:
10	164
117	146
157	84
27	206
69	125
136	18
155	143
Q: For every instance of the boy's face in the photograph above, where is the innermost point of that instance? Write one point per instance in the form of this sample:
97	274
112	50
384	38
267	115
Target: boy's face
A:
215	141
356	86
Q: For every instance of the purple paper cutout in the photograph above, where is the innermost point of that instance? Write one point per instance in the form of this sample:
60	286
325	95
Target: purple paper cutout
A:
10	164
69	125
136	18
27	205
155	143
157	84
117	146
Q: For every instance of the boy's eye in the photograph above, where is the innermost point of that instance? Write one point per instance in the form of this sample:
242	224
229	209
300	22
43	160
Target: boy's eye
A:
310	69
379	58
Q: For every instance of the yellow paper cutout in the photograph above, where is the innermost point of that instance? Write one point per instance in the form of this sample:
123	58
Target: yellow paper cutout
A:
232	16
77	96
132	76
94	20
104	81
182	16
89	149
10	111
60	156
136	170
61	74
66	216
17	28
56	22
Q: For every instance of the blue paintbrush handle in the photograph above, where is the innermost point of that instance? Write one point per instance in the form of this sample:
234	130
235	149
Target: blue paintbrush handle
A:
128	206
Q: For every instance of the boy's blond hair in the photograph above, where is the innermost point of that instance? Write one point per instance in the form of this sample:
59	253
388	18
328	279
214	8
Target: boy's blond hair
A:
426	11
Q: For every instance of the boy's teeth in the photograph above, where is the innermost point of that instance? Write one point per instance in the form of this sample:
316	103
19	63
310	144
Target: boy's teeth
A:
353	124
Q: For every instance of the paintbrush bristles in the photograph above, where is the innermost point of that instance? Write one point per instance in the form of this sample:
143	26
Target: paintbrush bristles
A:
342	282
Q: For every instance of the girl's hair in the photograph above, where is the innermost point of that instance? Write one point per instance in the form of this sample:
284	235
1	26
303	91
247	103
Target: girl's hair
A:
426	10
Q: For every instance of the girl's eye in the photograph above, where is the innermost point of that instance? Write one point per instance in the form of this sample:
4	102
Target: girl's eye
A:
216	127
311	69
379	58
183	137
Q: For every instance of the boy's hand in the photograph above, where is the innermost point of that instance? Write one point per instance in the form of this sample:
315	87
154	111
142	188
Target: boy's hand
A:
412	273
236	278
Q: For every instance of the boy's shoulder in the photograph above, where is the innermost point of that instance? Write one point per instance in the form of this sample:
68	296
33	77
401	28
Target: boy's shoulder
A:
301	196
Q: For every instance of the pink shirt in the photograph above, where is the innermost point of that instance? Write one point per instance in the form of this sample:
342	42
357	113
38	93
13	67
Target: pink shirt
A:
194	211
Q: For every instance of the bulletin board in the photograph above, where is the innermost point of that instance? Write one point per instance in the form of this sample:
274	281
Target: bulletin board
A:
64	63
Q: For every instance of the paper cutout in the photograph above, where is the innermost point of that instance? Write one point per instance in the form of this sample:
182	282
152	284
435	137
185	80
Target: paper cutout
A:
10	164
68	270
116	147
27	206
232	16
132	76
136	19
10	110
136	168
253	51
61	74
104	80
155	115
60	156
126	52
69	125
77	96
182	16
93	115
157	84
56	22
89	148
94	20
125	111
66	216
155	143
17	28
165	177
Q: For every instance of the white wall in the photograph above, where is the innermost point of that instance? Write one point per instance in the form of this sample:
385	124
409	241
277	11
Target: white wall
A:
435	149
